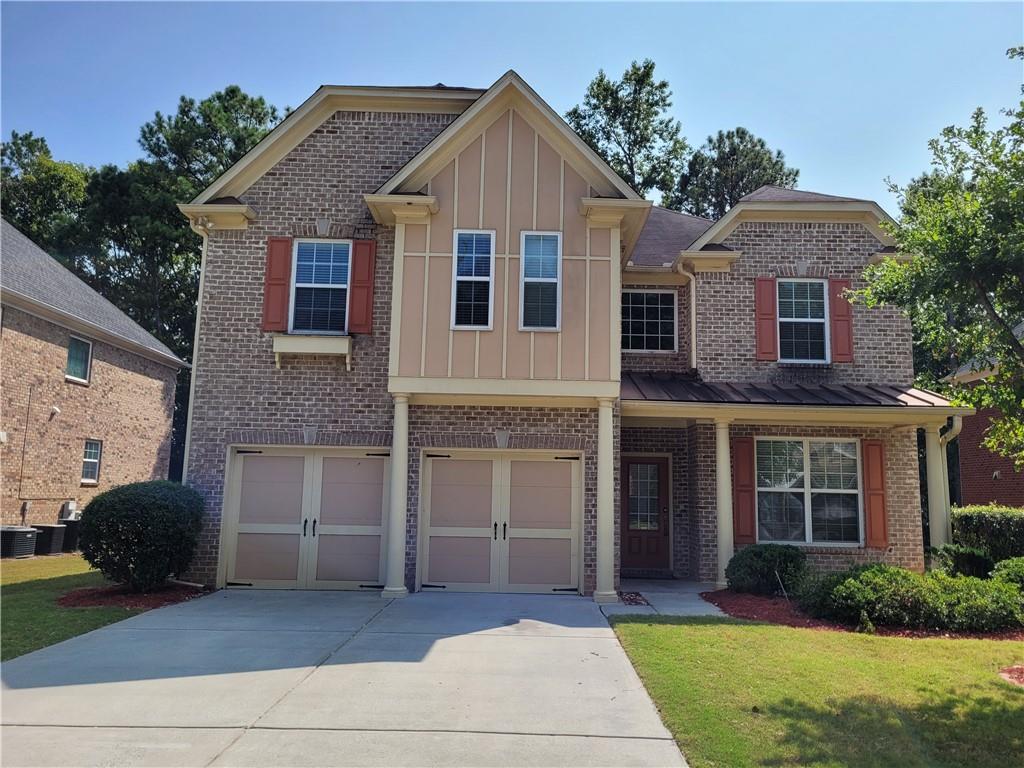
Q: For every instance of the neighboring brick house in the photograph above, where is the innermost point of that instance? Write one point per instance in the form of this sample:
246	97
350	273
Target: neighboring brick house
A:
87	394
441	345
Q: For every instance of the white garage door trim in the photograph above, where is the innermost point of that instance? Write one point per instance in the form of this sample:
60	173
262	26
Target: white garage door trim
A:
314	529
499	528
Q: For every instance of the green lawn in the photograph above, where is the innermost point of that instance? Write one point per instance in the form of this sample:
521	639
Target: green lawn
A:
29	615
737	693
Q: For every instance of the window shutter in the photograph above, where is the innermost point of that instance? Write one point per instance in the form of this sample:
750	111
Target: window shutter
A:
360	302
766	325
841	321
277	284
876	525
744	491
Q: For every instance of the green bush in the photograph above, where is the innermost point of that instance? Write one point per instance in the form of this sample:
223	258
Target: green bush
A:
139	534
886	595
961	560
814	593
1011	571
754	568
970	604
995	529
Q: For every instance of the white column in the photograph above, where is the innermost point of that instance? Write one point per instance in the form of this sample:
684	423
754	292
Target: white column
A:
395	583
723	497
605	591
938	512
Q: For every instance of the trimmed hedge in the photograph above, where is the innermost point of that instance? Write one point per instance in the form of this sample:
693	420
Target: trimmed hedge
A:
141	533
997	530
814	594
961	560
754	568
1011	571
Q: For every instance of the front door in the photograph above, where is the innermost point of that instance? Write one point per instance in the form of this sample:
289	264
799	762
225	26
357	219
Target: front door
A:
645	519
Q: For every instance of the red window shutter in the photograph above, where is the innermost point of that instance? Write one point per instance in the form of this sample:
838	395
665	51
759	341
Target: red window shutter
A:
744	491
360	300
876	524
766	325
277	284
841	320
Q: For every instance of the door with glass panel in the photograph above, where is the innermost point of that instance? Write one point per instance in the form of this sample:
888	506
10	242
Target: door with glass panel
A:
646	542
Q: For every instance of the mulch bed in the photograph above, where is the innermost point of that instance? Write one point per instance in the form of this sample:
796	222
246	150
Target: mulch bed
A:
1013	675
632	598
778	610
119	597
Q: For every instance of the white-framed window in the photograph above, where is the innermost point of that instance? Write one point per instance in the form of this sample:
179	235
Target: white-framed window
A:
79	365
803	320
473	280
808	491
540	276
649	321
320	274
91	457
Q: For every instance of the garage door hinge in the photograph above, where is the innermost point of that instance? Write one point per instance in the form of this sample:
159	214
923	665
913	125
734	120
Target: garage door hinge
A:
240	451
567	458
438	455
239	584
433	586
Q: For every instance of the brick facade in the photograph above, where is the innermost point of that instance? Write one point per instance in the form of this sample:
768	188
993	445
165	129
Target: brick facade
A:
986	477
127	404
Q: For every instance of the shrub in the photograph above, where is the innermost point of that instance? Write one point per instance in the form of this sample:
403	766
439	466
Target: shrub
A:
966	603
814	593
754	568
139	534
1010	571
961	560
995	529
884	594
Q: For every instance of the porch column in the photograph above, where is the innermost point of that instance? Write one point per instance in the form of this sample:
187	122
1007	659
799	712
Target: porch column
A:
938	511
605	591
723	497
394	585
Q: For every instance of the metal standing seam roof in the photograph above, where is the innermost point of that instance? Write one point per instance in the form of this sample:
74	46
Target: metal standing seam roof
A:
28	270
662	387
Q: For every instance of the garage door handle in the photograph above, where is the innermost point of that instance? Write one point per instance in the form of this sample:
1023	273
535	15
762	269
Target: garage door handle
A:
495	531
304	524
314	526
504	531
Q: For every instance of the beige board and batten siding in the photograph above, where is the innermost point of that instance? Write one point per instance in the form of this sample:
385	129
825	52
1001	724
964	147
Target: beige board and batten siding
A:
508	180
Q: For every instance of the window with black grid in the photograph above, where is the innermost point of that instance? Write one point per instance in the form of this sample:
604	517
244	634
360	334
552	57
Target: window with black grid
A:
648	321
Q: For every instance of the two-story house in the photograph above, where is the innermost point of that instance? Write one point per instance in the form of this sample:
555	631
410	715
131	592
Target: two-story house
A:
443	346
87	394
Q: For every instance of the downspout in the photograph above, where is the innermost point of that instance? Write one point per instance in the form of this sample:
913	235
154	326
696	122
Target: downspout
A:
201	227
944	439
693	314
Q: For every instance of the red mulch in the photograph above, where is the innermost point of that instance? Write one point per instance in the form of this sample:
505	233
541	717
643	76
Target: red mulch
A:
119	597
778	610
632	598
1013	675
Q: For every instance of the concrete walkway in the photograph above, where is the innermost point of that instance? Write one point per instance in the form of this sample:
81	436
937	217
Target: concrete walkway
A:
668	597
259	678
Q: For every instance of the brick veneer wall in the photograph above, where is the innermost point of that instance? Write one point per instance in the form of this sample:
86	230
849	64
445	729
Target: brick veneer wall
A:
978	466
703	502
127	404
674	442
671	362
725	306
239	393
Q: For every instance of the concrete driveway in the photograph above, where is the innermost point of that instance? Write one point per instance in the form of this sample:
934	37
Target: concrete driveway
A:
337	678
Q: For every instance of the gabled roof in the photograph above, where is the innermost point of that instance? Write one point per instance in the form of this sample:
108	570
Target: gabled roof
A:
33	280
975	370
665	234
773	194
509	90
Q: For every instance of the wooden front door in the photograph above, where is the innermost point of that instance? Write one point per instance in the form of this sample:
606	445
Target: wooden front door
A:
645	520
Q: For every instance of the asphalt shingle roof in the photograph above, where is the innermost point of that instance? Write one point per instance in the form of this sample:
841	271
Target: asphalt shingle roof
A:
665	234
772	194
27	269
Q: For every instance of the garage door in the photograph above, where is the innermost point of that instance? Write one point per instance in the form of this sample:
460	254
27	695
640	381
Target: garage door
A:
299	519
506	522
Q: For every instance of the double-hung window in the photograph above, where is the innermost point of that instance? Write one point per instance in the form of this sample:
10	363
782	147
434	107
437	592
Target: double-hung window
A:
803	321
320	286
808	491
648	321
541	273
473	280
79	360
91	461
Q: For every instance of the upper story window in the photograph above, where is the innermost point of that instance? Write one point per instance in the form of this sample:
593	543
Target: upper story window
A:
320	286
541	274
808	491
803	321
91	462
473	280
649	321
79	364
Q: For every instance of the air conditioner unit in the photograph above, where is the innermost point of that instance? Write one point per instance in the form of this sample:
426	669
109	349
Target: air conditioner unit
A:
69	510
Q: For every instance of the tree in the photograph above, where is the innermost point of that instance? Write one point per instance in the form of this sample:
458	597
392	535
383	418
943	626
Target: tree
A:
727	167
41	196
625	122
963	225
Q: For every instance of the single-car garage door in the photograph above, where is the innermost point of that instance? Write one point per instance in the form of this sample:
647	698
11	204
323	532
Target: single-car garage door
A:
302	519
500	522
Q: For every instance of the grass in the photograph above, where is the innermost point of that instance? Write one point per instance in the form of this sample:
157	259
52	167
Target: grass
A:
737	693
29	615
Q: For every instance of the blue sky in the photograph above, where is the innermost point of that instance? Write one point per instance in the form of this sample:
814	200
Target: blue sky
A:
850	92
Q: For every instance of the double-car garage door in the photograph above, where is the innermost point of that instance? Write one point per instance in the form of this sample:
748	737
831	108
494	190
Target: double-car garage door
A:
317	519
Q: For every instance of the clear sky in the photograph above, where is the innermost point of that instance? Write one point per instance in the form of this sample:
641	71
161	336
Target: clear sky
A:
850	92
